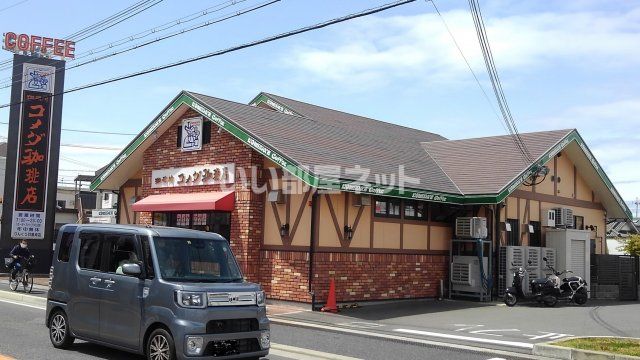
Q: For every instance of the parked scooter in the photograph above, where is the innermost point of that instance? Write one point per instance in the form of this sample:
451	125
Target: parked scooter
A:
572	289
542	290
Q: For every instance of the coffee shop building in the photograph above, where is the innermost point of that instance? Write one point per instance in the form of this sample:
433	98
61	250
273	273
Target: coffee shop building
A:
306	194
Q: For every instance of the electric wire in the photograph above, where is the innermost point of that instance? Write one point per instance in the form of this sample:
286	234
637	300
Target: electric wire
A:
105	24
13	5
495	81
143	44
235	48
453	38
87	131
157	29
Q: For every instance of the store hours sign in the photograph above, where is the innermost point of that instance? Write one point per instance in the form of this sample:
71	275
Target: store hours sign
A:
32	163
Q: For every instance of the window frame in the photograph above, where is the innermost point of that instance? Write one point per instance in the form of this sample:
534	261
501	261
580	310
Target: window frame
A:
107	254
60	243
388	201
100	256
414	204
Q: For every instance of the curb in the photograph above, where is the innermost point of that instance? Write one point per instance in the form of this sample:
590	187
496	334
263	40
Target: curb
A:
23	298
561	352
309	353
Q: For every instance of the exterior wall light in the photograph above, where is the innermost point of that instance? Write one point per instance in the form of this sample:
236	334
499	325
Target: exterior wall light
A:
284	230
348	232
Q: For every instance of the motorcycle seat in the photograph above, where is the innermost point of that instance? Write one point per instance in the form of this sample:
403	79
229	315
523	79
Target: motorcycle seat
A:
572	278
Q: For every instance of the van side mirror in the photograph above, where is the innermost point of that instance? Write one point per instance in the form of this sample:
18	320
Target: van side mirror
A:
131	269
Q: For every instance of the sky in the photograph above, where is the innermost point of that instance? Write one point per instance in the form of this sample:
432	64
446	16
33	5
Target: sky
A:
563	64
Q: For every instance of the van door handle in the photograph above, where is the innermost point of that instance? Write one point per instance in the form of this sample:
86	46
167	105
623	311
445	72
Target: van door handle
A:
95	280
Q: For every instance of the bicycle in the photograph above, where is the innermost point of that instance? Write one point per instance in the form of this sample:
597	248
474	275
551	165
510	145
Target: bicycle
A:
23	276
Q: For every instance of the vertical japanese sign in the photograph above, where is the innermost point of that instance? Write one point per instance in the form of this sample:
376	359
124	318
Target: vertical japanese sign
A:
32	161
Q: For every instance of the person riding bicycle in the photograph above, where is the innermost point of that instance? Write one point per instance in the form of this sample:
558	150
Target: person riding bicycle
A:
19	253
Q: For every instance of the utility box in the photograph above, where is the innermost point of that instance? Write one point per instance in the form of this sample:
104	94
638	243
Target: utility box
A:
572	251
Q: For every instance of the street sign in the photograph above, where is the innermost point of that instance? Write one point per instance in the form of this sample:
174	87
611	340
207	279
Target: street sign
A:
104	212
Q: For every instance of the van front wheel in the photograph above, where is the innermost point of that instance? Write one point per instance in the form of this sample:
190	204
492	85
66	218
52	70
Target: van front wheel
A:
160	346
59	333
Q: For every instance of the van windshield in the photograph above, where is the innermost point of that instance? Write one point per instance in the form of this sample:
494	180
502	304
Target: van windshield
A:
196	260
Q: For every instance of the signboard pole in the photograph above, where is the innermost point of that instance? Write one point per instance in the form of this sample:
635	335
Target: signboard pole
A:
33	149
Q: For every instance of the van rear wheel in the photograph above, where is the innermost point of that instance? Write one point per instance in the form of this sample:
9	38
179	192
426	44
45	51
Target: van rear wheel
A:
59	333
160	346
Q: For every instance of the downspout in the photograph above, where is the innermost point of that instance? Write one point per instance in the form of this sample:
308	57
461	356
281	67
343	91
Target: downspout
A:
312	244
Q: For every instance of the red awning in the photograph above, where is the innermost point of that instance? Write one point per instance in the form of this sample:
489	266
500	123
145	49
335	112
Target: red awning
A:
217	200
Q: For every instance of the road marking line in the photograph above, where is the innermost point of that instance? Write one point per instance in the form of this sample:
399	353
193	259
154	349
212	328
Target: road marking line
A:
486	331
304	354
517	344
406	339
22	304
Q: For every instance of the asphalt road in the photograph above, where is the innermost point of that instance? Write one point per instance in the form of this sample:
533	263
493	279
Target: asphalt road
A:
24	336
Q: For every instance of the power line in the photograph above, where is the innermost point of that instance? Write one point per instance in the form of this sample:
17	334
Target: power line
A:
87	131
95	147
106	23
233	48
495	80
14	5
143	44
154	30
453	38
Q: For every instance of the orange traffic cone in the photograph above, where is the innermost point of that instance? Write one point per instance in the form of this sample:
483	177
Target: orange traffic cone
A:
331	305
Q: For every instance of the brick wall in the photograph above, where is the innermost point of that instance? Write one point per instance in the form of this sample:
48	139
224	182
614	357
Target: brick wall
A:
247	217
358	277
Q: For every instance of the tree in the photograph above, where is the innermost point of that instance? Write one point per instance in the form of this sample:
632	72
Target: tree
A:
631	245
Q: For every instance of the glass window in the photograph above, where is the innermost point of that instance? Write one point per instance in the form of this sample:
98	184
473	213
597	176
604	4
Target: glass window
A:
199	219
443	213
578	222
122	250
160	219
381	207
65	246
513	236
90	248
415	210
182	220
196	260
387	207
535	238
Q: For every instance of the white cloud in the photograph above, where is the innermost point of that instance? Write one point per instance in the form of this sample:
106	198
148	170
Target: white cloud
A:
378	49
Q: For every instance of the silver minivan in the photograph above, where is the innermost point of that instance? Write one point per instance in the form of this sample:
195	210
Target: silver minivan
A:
163	292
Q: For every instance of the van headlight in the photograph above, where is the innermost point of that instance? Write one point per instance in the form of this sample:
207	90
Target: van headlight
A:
189	299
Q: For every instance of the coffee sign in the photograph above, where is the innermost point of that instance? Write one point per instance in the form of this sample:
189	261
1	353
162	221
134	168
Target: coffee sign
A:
193	176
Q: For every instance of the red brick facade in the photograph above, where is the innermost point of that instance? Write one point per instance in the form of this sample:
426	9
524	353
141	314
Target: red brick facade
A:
358	277
284	274
247	218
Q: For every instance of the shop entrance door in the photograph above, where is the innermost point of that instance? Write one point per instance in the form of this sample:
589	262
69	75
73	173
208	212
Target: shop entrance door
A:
218	222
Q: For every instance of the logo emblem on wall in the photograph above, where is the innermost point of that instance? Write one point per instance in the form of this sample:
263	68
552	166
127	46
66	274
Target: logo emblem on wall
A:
191	134
38	78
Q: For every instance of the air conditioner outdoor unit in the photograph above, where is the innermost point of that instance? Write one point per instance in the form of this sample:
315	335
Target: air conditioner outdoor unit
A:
564	217
471	227
361	200
550	221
